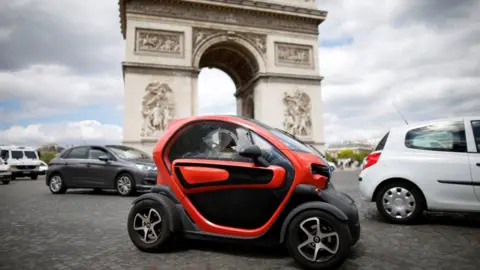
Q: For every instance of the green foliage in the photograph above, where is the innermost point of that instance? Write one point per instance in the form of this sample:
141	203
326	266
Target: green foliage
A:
330	158
47	156
345	154
361	155
350	154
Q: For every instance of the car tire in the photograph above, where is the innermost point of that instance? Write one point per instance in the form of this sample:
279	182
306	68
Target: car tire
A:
142	217
6	182
34	176
56	184
299	243
401	193
125	184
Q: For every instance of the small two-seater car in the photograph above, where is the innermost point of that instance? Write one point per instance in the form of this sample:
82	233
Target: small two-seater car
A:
228	178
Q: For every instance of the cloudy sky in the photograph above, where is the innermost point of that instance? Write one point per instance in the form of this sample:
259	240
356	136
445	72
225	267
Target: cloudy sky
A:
61	81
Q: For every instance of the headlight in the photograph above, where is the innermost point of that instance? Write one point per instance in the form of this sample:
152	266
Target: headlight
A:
146	168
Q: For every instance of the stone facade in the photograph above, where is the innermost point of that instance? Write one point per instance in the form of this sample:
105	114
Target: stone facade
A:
267	47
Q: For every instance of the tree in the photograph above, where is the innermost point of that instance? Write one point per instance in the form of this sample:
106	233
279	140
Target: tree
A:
47	156
346	154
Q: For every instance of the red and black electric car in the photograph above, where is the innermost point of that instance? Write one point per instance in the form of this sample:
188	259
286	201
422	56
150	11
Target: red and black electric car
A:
236	179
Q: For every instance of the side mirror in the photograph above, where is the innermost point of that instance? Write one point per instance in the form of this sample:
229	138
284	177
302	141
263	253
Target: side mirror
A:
332	168
251	151
104	158
254	152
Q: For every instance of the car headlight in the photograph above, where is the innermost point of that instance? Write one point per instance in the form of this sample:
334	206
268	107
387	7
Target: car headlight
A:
146	168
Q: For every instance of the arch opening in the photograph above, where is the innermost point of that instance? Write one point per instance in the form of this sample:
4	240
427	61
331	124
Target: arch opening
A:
240	64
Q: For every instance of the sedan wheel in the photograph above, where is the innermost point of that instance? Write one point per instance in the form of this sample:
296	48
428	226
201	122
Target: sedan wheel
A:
56	184
125	185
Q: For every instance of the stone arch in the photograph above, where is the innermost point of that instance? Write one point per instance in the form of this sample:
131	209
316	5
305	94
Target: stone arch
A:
233	54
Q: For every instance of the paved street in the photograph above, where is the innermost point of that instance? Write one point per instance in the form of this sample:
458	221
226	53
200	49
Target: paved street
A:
83	230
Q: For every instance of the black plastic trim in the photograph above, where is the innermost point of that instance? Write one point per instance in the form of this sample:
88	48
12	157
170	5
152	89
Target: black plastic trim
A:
463	183
167	191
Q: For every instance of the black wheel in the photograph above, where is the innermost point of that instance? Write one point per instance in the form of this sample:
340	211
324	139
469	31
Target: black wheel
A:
56	184
148	227
125	184
6	182
318	240
34	176
400	202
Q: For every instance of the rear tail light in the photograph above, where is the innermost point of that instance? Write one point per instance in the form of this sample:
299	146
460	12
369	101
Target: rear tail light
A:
371	159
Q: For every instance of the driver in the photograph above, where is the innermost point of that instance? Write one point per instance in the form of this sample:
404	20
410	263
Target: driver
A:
226	143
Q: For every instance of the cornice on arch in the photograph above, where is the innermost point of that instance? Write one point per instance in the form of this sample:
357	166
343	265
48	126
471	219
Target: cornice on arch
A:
248	12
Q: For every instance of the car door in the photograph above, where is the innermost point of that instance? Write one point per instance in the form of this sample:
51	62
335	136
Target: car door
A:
99	173
438	161
473	136
75	166
219	184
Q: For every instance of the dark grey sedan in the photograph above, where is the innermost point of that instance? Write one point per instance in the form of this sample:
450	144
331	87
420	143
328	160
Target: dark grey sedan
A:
119	167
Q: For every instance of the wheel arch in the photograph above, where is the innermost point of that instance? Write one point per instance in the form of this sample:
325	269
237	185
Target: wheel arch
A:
316	205
397	179
175	223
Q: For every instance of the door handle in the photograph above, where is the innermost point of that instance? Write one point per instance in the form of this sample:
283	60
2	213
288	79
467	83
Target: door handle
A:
478	164
88	165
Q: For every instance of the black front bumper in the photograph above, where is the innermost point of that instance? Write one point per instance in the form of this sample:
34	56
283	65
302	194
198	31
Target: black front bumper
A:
145	180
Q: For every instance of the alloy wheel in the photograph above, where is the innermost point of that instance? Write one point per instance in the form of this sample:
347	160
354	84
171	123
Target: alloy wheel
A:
399	202
319	241
56	183
147	225
124	185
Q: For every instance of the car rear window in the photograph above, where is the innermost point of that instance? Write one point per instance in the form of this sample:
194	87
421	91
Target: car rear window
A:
382	143
4	154
30	154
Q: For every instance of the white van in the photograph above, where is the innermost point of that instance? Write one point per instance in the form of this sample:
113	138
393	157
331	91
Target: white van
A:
22	161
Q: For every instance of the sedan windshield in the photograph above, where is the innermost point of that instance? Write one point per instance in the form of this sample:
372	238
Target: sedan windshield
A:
129	153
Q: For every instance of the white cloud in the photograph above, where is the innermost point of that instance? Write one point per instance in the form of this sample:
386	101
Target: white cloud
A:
51	89
87	131
428	70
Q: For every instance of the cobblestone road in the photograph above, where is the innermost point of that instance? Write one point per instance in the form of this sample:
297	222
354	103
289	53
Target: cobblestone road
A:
83	230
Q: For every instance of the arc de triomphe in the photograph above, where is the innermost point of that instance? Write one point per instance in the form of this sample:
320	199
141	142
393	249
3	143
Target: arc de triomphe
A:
268	47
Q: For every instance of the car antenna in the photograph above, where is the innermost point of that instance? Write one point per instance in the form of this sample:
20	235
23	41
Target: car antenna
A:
398	111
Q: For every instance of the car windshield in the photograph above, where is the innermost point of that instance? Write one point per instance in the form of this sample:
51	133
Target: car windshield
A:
17	154
125	152
30	154
291	141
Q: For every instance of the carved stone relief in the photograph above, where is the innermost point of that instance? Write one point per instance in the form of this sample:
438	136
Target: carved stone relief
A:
157	109
298	121
200	34
157	41
294	55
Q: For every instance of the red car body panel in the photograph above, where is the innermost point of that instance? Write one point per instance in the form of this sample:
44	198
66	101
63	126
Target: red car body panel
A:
301	162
